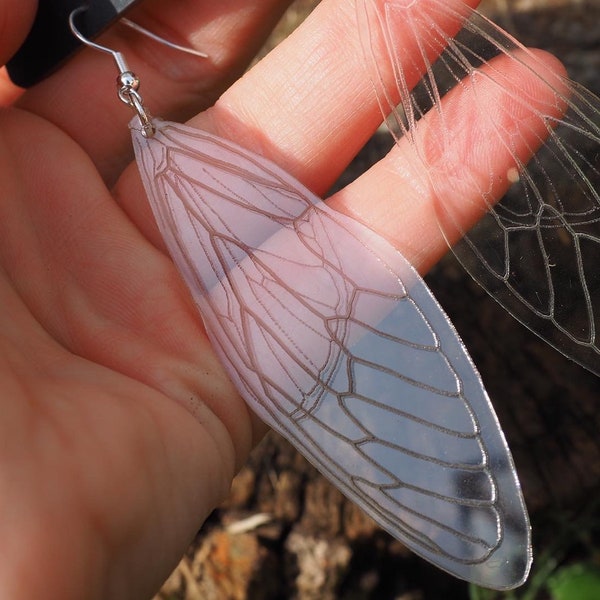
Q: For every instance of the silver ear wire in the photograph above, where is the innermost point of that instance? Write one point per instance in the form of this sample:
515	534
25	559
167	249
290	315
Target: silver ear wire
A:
127	82
161	40
119	59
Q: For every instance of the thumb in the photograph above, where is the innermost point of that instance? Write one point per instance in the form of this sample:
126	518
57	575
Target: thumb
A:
16	17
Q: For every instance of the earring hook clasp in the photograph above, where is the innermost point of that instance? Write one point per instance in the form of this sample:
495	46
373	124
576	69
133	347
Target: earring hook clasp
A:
118	56
127	82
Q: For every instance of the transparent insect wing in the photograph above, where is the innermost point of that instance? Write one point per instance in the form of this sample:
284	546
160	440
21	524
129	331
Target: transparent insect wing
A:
334	340
439	66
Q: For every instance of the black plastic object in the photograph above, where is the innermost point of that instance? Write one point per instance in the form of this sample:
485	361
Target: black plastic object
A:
50	41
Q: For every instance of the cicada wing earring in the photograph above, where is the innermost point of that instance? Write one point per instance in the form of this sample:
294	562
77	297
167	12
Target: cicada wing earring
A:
334	340
536	251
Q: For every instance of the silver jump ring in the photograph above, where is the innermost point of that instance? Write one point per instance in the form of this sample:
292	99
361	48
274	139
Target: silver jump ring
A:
132	98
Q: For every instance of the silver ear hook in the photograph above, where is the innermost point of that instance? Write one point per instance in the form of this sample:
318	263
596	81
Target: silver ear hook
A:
121	64
127	82
161	40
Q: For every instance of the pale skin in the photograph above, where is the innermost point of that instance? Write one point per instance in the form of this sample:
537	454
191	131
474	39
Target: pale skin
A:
119	429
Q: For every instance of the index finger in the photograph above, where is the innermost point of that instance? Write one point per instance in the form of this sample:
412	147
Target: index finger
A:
312	115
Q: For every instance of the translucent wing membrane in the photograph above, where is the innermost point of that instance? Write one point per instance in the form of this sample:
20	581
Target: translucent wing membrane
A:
334	340
450	82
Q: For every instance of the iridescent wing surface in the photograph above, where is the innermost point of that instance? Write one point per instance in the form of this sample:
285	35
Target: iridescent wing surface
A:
334	340
537	251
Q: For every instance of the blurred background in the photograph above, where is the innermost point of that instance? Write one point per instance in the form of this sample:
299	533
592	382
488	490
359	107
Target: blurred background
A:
285	533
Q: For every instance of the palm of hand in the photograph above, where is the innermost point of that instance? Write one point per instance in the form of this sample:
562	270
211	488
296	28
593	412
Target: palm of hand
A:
98	340
101	351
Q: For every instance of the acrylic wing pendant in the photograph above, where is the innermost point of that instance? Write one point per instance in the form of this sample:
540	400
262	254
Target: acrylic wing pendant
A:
333	339
537	251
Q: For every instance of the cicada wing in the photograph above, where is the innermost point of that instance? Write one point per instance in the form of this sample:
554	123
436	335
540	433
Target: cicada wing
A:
537	250
334	340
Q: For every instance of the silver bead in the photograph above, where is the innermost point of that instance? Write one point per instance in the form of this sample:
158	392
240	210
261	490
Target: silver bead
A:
128	81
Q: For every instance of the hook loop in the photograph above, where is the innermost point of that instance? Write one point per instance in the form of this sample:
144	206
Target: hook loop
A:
127	82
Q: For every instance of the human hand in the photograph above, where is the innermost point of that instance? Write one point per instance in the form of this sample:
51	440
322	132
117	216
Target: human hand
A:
120	430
